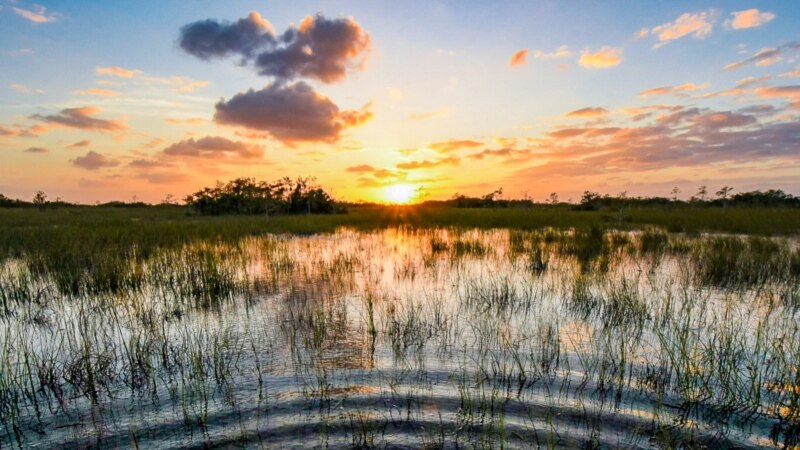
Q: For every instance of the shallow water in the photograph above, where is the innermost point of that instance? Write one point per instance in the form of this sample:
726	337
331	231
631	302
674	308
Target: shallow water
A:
404	338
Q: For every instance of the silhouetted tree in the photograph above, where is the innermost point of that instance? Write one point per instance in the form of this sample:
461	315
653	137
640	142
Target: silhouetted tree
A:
40	200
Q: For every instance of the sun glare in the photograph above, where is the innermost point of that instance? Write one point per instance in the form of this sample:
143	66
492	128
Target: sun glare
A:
399	193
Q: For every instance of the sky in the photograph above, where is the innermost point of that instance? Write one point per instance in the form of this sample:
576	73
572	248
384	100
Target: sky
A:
378	100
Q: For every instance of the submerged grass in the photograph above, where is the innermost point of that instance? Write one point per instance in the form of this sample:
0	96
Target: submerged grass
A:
446	337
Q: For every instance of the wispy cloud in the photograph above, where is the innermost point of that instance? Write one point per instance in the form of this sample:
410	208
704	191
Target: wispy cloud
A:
117	72
765	56
679	89
36	14
97	92
560	52
453	145
429	164
81	118
23	89
587	113
697	25
441	112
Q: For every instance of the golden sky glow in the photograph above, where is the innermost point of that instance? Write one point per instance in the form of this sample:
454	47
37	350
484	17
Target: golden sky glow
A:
378	100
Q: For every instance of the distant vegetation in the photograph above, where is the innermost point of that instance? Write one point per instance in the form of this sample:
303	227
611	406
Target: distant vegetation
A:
248	196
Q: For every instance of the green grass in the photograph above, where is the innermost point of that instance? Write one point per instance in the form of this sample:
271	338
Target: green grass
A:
78	240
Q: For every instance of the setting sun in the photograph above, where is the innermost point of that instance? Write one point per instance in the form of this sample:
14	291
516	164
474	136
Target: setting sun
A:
399	193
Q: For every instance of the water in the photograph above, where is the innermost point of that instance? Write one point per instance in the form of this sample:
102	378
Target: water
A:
404	339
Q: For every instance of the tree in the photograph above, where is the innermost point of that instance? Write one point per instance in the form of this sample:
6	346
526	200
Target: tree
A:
675	191
701	194
247	196
723	195
40	200
553	199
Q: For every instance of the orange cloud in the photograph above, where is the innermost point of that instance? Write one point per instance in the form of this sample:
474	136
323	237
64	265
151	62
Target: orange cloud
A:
664	90
789	93
81	118
749	18
94	161
79	144
725	93
602	59
426	164
749	81
189	121
698	25
793	74
96	92
452	145
587	113
518	58
118	72
360	168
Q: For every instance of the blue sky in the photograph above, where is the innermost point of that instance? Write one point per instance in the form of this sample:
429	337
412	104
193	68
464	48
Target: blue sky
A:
432	73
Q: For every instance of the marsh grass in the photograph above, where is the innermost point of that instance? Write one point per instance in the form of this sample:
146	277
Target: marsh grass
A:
406	336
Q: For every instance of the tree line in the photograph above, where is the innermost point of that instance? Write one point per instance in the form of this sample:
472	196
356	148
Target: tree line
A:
305	196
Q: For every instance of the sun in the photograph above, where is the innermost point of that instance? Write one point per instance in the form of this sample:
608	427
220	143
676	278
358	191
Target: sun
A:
399	193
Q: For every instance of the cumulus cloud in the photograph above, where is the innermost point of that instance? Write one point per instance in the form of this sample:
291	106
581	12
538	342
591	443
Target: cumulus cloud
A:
587	113
519	58
116	71
697	25
319	48
749	18
93	161
765	56
81	118
453	144
36	150
604	58
214	147
209	38
680	89
36	14
289	113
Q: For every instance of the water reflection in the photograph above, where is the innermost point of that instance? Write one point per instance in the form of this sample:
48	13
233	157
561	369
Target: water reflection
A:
416	338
